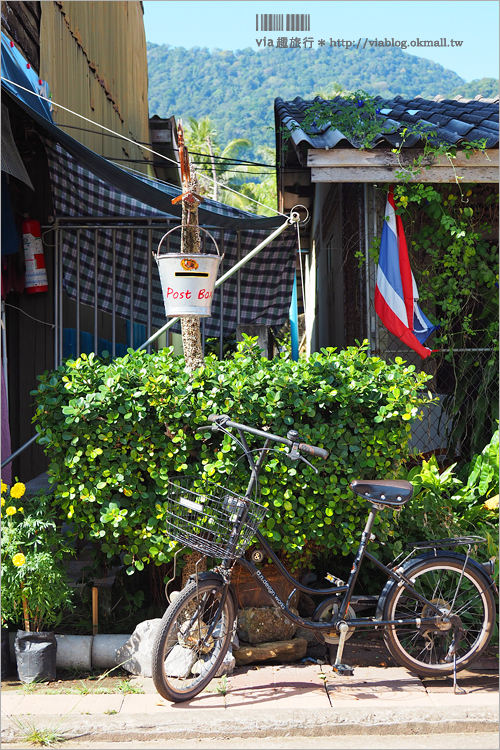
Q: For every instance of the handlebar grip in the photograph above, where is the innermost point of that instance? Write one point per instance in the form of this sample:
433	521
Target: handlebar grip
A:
212	417
313	450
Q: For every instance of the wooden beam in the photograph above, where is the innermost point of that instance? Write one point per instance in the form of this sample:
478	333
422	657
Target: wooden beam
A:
388	174
353	157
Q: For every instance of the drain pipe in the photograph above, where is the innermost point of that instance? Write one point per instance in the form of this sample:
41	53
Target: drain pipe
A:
84	651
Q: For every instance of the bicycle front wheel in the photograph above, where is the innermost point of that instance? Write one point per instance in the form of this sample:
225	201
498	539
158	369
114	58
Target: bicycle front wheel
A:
192	640
456	591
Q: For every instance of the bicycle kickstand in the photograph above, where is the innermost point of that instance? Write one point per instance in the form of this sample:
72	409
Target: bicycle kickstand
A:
343	670
456	687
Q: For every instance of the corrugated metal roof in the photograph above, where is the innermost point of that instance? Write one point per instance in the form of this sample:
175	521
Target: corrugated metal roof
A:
452	120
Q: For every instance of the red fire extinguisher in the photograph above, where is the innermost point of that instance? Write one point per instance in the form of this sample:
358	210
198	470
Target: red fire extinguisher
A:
36	273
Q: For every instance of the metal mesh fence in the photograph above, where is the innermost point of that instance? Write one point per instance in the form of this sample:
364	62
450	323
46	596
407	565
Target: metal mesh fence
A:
465	379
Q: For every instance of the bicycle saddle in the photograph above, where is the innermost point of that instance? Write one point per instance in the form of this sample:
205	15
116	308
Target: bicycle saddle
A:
388	492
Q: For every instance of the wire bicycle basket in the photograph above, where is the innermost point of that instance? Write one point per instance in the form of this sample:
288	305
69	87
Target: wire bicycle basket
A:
211	520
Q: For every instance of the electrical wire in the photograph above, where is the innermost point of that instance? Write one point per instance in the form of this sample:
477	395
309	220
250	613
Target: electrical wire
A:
130	140
173	148
37	320
218	167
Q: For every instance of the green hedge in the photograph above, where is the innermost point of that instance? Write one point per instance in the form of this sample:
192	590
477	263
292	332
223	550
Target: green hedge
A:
115	430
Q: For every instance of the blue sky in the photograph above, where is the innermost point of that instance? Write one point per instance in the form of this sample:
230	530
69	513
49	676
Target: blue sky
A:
230	24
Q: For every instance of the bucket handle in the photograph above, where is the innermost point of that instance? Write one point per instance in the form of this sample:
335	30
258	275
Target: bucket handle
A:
180	226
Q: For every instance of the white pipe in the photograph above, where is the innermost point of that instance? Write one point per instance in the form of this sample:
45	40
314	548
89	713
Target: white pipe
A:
105	649
4	355
83	651
229	273
367	267
74	651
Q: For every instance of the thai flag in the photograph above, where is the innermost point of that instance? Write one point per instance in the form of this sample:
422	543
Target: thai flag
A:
396	294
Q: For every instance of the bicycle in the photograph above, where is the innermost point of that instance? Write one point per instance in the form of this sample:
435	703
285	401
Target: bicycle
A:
437	608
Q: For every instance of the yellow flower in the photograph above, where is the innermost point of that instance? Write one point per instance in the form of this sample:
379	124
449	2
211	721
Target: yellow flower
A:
17	490
20	510
3	501
5	487
492	503
11	510
19	559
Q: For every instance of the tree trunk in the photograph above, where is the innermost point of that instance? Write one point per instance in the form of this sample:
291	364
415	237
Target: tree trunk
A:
191	243
214	173
191	566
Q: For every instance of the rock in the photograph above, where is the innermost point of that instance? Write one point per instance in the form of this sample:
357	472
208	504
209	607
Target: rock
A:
228	664
135	654
306	605
264	625
282	651
306	633
249	594
180	661
317	651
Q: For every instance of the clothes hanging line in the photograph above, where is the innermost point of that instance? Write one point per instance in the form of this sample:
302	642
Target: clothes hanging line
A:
47	123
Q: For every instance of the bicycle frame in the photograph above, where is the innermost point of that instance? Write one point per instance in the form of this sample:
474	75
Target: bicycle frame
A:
348	589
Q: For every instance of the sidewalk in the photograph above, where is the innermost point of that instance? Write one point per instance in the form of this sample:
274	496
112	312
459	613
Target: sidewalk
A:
272	701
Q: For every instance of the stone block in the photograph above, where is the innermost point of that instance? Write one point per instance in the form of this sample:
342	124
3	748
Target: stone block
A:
281	651
264	625
135	654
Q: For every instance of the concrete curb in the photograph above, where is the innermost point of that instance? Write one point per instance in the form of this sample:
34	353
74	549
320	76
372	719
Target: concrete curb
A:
214	724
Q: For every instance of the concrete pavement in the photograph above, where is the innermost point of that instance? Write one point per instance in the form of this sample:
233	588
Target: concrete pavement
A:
272	701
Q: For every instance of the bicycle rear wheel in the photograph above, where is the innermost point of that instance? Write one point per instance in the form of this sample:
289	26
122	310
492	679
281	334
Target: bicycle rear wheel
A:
456	591
192	640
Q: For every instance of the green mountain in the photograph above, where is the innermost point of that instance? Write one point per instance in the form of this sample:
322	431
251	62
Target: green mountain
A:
237	89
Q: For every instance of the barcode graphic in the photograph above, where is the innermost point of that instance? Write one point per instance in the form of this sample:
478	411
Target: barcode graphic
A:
274	22
269	22
298	22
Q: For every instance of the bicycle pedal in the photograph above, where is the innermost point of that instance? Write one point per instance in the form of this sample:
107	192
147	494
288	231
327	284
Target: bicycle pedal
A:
343	670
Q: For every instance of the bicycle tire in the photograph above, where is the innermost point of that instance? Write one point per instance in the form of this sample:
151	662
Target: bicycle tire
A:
183	627
459	591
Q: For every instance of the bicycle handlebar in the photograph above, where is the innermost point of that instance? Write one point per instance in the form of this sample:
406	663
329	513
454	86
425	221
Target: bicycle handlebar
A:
311	450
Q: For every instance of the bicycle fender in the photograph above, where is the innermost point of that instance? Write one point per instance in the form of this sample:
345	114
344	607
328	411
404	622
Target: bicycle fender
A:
212	575
415	561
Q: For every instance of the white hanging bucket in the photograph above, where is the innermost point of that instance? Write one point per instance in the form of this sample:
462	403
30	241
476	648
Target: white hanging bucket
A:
188	280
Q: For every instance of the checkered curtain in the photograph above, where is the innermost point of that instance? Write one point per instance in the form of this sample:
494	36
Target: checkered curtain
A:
266	280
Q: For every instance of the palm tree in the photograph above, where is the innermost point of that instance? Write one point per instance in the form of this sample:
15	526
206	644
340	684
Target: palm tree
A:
201	137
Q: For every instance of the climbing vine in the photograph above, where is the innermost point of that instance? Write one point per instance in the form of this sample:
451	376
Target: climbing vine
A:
451	233
360	120
451	236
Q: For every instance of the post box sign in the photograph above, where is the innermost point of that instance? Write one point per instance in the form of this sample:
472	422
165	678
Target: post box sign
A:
188	283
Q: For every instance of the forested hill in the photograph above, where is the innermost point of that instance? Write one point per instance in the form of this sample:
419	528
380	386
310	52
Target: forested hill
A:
237	89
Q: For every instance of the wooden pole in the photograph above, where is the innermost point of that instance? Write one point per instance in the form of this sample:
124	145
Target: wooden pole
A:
95	610
25	610
190	243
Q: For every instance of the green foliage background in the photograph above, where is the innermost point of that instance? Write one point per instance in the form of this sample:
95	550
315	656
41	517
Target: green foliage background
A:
237	89
115	431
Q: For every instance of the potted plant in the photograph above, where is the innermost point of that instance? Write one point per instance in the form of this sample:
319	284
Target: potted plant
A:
35	589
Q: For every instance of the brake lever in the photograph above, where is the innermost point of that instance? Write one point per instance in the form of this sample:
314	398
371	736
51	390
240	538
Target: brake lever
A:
308	463
295	455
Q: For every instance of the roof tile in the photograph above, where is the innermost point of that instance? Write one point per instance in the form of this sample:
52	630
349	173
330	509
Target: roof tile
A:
490	125
453	120
459	127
